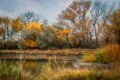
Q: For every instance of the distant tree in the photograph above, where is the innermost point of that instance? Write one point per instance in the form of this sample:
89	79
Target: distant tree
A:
18	25
31	17
100	14
116	25
5	30
75	17
30	35
49	39
63	35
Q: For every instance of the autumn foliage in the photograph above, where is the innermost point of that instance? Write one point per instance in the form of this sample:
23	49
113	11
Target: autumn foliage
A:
83	24
34	25
32	30
29	43
18	25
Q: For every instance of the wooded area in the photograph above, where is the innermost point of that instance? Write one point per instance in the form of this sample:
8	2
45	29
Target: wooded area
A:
82	25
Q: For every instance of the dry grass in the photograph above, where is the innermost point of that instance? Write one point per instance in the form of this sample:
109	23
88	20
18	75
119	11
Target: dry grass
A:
55	51
13	72
108	54
76	74
88	58
111	53
61	54
58	73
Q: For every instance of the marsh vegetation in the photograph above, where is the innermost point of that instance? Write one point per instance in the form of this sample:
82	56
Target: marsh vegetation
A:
83	44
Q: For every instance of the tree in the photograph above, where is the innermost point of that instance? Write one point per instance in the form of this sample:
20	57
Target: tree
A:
100	13
63	35
18	25
30	35
116	25
49	38
75	17
5	30
32	31
30	16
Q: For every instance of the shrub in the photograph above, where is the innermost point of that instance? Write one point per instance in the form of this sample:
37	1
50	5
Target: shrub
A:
47	73
110	53
82	75
99	57
28	44
88	58
14	71
8	71
11	44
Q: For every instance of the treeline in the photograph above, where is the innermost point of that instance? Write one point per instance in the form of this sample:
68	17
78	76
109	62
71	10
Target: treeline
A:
84	24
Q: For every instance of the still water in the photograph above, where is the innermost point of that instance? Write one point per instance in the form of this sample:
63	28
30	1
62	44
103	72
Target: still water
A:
35	67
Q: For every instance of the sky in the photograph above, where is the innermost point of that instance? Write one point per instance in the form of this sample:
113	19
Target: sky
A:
49	9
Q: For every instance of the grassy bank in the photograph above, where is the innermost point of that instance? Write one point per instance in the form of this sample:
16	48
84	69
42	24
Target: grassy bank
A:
51	51
55	72
61	54
107	54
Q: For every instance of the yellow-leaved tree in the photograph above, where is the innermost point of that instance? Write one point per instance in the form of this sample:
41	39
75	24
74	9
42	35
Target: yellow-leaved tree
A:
64	35
31	35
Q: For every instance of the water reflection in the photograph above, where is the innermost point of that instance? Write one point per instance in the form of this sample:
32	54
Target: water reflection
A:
34	66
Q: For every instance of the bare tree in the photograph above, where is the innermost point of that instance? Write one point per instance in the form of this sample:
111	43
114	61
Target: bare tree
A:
6	30
31	17
100	14
75	17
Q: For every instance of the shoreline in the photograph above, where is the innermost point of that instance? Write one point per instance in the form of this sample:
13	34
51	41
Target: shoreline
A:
65	54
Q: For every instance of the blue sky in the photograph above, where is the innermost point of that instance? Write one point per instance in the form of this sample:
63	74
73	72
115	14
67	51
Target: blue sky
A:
49	9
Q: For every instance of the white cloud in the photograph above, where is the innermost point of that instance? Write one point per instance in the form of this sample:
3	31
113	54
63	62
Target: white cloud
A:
48	8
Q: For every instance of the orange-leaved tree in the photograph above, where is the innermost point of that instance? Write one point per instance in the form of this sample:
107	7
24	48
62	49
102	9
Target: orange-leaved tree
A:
18	25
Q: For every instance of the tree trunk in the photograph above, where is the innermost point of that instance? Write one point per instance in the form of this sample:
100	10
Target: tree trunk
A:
68	42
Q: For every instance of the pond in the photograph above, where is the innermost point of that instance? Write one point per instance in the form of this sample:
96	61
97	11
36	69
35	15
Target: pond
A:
35	67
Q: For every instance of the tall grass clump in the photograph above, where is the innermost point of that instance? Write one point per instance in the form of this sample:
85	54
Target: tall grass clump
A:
110	53
9	71
99	57
47	73
88	58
